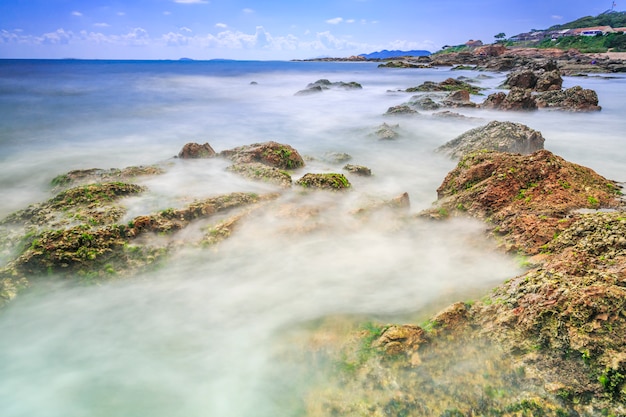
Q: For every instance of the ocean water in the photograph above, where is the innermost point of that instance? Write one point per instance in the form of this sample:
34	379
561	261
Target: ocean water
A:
199	336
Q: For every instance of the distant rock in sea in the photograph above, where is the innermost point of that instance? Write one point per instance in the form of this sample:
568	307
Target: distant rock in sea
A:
185	59
394	54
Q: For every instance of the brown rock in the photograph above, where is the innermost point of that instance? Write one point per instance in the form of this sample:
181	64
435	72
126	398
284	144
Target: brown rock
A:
549	81
196	151
269	153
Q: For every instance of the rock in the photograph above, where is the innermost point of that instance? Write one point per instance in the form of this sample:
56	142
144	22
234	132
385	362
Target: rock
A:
525	79
323	84
424	103
460	98
402	109
261	172
449	84
330	181
404	339
97	175
196	151
527	198
495	136
269	153
387	132
572	99
336	157
517	99
358	170
549	81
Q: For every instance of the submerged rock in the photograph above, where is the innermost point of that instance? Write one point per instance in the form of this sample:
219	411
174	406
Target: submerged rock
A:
449	84
402	109
95	175
495	136
358	170
269	153
387	132
323	84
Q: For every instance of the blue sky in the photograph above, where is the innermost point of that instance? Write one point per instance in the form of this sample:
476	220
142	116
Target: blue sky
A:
265	29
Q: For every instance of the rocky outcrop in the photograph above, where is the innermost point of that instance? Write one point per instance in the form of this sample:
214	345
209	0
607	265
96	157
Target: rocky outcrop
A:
460	98
572	99
549	81
517	99
196	151
272	153
387	131
425	103
495	136
525	79
527	198
450	84
97	175
323	84
330	181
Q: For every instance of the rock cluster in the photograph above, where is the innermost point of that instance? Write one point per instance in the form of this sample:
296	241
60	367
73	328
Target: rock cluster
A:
323	84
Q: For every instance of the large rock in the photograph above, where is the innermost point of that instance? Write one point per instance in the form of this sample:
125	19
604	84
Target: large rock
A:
517	99
460	98
549	81
196	151
572	99
527	198
270	153
525	79
323	84
495	136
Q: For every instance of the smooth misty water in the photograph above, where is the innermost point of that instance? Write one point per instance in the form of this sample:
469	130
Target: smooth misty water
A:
198	337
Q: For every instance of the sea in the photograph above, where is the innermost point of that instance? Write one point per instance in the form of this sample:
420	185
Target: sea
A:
202	334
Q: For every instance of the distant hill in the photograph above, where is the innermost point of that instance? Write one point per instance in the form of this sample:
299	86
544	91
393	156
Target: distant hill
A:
609	18
394	54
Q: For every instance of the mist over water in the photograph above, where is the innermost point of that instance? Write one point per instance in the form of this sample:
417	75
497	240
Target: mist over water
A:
196	336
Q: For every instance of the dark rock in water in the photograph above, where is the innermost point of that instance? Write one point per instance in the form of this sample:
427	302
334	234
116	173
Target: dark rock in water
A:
424	103
310	90
196	151
330	181
269	153
460	98
387	132
323	84
549	81
95	175
526	79
572	99
402	109
253	83
261	172
517	99
449	84
336	157
495	136
447	114
358	170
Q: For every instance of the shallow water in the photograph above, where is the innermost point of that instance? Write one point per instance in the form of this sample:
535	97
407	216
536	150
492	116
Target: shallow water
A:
196	337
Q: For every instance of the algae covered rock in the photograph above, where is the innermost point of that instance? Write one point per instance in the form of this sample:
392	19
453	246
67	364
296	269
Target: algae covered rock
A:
330	181
517	99
358	170
495	136
572	99
270	153
527	198
261	172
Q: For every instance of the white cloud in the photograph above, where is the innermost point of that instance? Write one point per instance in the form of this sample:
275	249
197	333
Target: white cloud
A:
185	29
60	36
246	10
350	21
101	25
78	14
557	17
221	25
121	13
335	21
191	1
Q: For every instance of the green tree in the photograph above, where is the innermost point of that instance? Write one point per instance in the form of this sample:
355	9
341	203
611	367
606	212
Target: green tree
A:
500	36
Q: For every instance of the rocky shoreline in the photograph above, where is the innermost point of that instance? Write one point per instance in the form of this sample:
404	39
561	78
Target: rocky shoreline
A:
549	342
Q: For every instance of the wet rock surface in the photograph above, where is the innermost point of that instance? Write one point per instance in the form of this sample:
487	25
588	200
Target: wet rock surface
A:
324	84
495	136
331	181
196	151
270	153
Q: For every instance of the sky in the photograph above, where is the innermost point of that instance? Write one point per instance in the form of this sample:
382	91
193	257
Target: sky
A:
266	29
